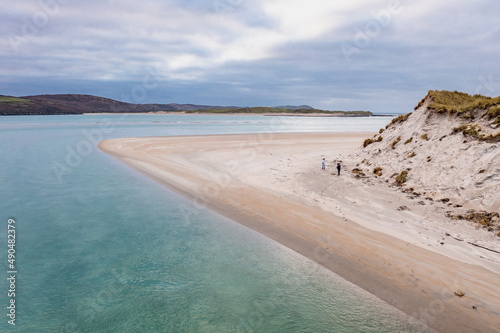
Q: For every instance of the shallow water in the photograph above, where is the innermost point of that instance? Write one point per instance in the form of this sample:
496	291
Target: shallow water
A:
101	248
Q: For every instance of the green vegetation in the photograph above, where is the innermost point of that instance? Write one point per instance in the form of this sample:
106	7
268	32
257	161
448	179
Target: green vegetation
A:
395	142
412	154
493	112
378	171
77	104
492	138
367	142
359	173
409	140
9	99
401	178
15	100
464	105
473	131
460	103
469	130
400	119
424	137
381	131
487	220
15	105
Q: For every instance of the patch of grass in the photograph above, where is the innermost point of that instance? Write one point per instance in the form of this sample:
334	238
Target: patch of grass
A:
468	130
474	131
454	102
412	154
401	178
379	139
367	142
378	171
380	131
492	138
424	137
487	220
400	119
15	100
493	112
10	99
409	140
422	101
395	142
359	172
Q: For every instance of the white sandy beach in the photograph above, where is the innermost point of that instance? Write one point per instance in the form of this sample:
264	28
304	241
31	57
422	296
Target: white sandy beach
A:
406	253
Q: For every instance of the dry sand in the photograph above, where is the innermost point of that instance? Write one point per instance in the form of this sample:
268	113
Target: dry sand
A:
273	183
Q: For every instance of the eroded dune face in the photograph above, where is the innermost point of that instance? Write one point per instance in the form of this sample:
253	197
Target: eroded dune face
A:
446	156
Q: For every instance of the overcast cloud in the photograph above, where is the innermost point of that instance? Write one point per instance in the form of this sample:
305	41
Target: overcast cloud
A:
373	55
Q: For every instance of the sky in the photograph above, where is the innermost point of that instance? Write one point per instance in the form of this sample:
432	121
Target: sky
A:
378	55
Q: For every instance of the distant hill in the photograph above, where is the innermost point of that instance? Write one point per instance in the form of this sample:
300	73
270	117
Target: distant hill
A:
195	107
278	111
293	107
79	104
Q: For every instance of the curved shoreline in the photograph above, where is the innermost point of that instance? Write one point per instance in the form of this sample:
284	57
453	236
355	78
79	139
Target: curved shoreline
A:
223	173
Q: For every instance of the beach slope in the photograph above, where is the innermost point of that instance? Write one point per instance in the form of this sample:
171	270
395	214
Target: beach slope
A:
274	184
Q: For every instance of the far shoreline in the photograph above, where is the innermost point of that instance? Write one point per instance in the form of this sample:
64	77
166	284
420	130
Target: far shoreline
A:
312	115
243	114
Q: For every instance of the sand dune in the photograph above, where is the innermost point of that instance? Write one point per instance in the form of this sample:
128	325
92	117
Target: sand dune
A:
441	161
368	233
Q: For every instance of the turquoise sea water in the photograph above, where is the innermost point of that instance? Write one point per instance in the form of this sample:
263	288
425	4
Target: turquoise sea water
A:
101	248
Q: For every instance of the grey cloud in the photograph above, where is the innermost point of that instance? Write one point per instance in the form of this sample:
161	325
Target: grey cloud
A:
106	47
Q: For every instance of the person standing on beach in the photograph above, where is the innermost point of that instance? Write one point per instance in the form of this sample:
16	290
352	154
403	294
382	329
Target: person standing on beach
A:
338	168
323	164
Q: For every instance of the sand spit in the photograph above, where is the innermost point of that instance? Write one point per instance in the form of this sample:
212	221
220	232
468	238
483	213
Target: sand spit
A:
378	238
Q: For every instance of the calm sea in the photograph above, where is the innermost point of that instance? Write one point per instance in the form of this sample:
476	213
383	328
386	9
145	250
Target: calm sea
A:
101	248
